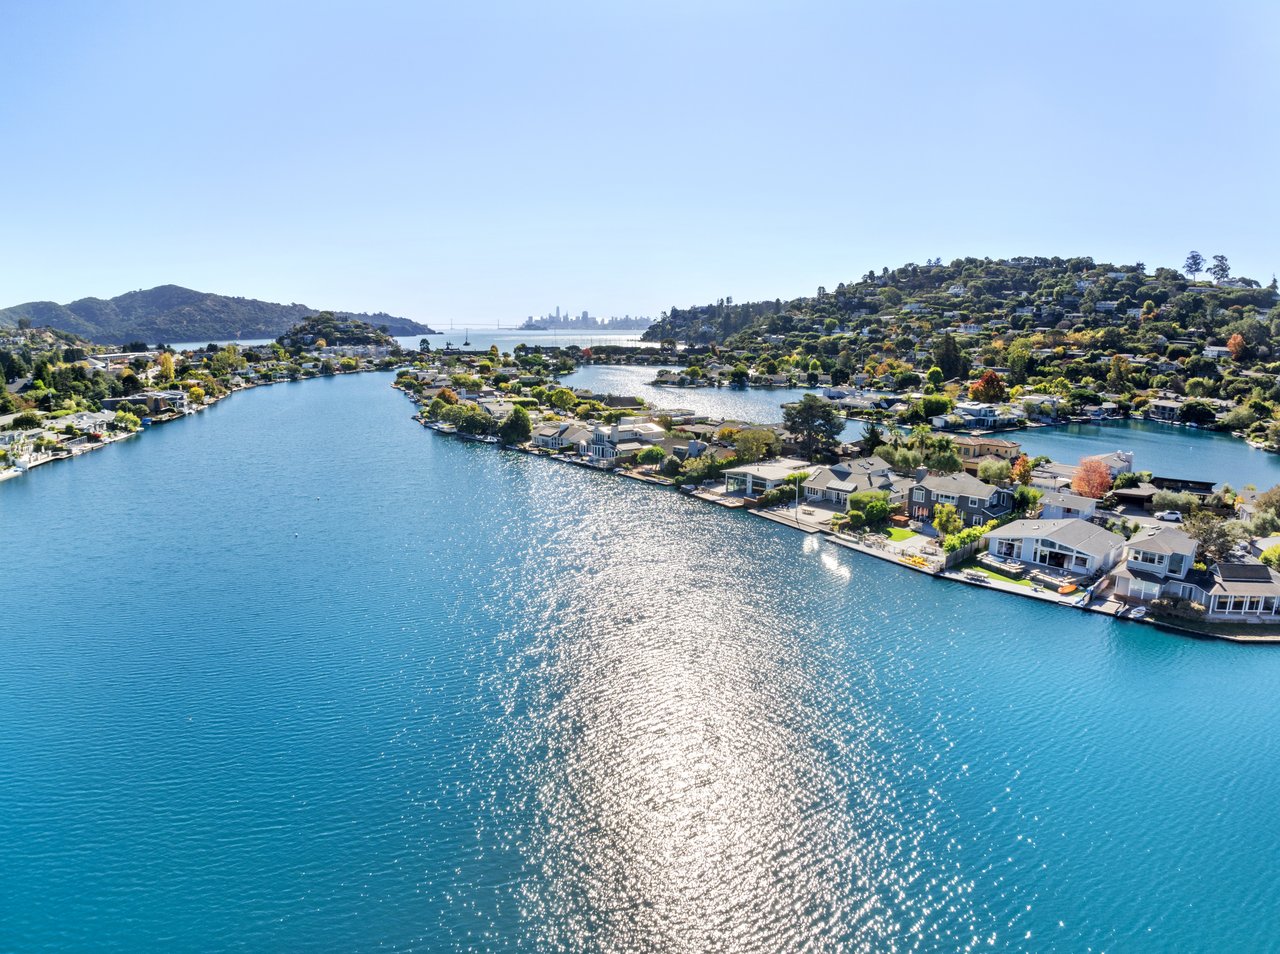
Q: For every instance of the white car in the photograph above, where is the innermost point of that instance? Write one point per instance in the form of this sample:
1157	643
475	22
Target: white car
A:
1172	516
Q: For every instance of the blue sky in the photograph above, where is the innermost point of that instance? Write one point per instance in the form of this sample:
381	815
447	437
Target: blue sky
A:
486	161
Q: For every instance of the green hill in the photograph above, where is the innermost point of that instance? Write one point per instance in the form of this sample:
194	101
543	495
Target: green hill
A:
1025	291
171	313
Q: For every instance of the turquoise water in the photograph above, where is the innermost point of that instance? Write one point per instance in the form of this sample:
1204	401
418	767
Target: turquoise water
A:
1164	449
297	675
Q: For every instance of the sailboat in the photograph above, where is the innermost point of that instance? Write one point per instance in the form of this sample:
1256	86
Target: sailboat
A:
467	343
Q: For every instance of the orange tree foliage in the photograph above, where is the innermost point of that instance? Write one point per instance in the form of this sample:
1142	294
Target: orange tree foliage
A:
1022	470
1093	479
988	388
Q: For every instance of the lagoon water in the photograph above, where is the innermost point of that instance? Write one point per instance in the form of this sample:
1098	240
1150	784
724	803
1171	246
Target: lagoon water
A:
297	675
756	405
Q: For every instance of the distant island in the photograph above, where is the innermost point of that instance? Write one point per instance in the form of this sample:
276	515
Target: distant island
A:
328	329
171	313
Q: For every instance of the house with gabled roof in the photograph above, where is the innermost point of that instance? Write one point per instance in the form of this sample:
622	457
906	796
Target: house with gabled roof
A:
976	501
1076	546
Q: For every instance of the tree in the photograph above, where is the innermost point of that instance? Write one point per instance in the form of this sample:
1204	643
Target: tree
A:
1238	347
1118	375
651	456
562	399
124	421
935	376
1194	264
1021	471
1220	270
1197	412
196	394
813	420
756	443
1092	478
1217	537
517	428
872	437
988	389
995	471
944	460
948	357
447	395
166	367
1271	556
947	520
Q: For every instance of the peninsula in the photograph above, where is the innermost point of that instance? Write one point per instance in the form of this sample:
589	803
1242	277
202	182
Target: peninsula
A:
172	313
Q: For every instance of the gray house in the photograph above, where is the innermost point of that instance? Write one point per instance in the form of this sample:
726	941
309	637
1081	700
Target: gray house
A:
976	501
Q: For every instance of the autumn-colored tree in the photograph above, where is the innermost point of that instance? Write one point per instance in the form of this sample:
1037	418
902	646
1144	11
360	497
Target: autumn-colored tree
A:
1092	479
1237	346
448	396
166	367
988	388
1022	468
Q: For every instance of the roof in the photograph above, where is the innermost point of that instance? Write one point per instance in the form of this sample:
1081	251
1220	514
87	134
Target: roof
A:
1163	540
1068	532
1068	500
1238	579
993	441
961	484
774	470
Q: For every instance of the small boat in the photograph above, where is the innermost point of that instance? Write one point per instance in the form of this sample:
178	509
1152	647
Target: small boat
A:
1067	588
1139	613
488	439
446	429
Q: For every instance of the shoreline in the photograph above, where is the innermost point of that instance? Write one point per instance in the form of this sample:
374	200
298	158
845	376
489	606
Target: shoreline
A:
10	472
1100	606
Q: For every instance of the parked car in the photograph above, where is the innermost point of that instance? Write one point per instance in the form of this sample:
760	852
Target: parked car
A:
1172	516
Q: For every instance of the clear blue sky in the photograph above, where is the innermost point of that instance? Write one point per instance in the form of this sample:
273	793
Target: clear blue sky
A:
486	161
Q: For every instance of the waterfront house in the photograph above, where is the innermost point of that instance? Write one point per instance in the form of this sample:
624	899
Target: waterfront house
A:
834	484
560	434
973	450
1077	546
1118	462
1164	410
976	501
609	442
1156	563
1062	506
752	480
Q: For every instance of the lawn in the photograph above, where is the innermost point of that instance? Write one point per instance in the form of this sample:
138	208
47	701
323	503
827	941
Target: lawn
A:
991	574
897	534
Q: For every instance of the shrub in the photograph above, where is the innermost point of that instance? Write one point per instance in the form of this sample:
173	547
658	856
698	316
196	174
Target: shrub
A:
954	541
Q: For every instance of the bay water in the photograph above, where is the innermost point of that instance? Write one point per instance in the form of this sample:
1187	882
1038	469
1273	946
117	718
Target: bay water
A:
296	674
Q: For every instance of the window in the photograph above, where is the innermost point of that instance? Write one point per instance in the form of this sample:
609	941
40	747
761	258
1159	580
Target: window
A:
918	493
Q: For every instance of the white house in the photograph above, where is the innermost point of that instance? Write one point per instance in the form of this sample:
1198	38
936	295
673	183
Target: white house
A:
754	479
1064	506
1076	546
